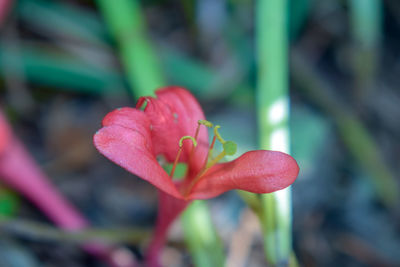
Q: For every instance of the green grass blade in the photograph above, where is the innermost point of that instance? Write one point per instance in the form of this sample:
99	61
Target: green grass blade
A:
273	111
366	25
59	70
126	24
200	236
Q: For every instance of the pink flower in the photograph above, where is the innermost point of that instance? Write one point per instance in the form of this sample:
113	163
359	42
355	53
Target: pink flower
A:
173	126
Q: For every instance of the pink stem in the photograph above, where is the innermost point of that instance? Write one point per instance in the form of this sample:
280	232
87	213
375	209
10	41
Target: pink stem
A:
168	209
5	6
19	170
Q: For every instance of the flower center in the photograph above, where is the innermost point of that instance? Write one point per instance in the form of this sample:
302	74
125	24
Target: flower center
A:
229	148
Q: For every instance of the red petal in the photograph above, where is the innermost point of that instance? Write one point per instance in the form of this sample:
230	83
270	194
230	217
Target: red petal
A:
131	148
258	171
174	114
131	119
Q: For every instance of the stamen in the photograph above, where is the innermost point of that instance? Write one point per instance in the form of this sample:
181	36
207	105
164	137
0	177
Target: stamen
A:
187	137
215	160
180	152
199	123
212	145
211	149
216	133
171	175
205	123
229	147
196	135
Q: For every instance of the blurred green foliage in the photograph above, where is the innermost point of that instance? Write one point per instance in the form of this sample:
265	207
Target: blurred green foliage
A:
9	202
202	240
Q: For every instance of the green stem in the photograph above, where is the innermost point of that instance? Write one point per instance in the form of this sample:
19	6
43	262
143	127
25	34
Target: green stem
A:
126	24
200	236
58	70
366	24
273	109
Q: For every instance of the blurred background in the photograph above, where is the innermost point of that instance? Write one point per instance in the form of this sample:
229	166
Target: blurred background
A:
65	64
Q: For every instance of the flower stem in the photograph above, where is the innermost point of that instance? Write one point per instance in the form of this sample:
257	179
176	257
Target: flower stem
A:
272	108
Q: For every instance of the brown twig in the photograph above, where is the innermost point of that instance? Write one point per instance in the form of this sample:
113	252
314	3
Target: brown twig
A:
41	232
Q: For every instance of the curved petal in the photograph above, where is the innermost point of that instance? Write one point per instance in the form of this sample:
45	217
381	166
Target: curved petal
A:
131	149
173	114
131	119
260	171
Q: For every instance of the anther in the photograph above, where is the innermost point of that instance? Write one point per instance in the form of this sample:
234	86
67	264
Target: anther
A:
187	137
205	123
199	123
230	148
